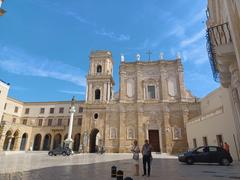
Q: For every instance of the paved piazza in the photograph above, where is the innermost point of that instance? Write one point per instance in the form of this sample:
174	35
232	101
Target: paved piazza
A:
39	166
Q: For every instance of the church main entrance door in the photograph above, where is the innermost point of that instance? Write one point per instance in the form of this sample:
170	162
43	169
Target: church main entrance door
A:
154	140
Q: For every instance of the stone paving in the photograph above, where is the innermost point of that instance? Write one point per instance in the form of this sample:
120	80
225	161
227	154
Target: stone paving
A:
39	166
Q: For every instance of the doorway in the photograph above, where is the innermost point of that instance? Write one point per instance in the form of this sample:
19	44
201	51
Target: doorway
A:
37	142
92	144
23	142
154	140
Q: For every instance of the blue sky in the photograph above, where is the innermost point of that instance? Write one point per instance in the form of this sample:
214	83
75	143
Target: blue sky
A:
45	45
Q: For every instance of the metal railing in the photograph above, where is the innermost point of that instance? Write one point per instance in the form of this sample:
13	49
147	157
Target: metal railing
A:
217	35
212	58
220	34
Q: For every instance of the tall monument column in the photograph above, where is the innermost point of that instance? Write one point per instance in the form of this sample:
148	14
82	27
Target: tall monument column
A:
69	141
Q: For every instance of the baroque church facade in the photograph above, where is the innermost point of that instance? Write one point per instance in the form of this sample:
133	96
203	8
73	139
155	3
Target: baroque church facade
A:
152	103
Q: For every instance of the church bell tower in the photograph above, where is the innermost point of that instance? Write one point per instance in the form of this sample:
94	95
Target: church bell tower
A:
100	78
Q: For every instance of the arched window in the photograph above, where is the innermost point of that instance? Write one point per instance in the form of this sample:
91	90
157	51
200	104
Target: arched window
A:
99	69
97	94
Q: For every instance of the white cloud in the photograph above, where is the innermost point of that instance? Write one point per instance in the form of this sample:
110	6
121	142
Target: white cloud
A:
178	31
72	92
114	36
18	62
193	39
79	18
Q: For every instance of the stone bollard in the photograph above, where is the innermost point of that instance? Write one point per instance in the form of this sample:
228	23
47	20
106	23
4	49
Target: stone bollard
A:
114	171
119	175
128	178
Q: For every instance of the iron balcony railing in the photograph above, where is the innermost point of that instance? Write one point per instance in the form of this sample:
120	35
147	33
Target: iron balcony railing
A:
216	36
220	34
212	58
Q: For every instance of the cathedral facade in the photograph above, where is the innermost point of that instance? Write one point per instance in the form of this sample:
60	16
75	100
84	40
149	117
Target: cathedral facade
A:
152	103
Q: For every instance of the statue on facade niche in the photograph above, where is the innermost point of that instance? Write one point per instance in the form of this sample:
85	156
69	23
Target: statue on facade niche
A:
178	55
138	56
161	55
122	58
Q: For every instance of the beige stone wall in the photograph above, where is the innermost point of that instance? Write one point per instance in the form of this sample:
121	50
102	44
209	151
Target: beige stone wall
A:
32	127
3	97
216	119
134	112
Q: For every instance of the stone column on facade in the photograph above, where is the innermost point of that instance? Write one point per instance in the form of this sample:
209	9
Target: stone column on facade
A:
92	68
112	93
2	139
138	86
164	85
168	131
122	87
122	130
108	92
141	129
185	117
17	143
181	81
9	142
90	97
184	130
86	95
105	87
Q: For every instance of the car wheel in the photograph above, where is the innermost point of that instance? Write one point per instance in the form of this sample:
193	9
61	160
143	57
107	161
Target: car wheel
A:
64	153
189	161
50	153
225	162
55	154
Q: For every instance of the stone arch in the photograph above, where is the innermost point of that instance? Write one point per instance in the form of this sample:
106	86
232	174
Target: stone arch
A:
92	143
7	141
47	142
23	142
97	94
76	142
37	142
57	140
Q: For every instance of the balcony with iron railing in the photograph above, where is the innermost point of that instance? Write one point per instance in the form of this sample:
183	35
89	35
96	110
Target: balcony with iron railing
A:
220	52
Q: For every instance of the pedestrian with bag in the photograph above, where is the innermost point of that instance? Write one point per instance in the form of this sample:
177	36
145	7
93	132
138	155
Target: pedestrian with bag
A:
136	150
147	157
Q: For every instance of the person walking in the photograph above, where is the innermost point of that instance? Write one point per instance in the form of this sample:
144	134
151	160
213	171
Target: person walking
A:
136	150
226	147
147	157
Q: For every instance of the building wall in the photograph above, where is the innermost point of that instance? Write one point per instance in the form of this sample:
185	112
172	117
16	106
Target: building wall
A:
216	119
3	97
133	115
225	15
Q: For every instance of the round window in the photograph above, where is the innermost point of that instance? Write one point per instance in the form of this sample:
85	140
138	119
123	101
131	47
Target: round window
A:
96	116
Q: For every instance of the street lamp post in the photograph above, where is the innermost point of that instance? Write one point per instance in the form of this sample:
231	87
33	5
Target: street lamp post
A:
2	11
69	141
